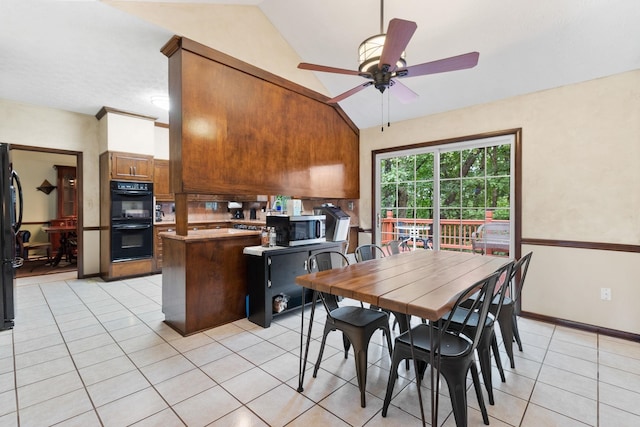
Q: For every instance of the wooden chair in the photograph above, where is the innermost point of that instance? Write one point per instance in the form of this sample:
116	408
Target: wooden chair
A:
24	246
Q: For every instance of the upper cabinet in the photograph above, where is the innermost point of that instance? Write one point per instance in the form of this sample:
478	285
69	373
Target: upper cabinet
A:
161	180
67	192
131	167
236	129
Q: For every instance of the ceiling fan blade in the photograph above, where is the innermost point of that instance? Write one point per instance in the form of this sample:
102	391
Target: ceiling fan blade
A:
349	93
398	35
460	62
315	67
402	92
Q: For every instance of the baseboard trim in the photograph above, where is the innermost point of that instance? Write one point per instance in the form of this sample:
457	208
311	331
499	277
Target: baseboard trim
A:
582	326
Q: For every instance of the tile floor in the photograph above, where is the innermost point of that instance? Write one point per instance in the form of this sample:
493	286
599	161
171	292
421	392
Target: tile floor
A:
90	353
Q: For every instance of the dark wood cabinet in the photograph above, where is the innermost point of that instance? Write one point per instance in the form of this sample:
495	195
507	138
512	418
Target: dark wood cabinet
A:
253	132
274	273
157	245
67	192
161	180
131	167
203	284
120	167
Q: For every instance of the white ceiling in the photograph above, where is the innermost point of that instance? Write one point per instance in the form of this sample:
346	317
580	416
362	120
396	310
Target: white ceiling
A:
80	55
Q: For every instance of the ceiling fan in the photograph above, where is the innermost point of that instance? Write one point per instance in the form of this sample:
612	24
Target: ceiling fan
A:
382	62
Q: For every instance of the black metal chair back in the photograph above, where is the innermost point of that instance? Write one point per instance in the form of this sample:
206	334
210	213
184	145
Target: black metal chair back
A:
367	252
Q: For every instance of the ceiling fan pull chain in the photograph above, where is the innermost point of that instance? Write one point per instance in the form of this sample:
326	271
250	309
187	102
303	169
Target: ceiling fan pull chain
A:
388	110
382	113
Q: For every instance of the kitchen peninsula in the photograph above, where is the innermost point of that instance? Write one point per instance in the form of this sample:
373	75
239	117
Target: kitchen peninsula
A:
227	117
203	279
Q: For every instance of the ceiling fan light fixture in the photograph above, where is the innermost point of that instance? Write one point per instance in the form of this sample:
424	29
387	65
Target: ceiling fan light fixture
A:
370	51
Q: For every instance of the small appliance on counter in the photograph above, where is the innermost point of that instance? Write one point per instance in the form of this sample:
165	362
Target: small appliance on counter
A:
298	230
159	213
337	224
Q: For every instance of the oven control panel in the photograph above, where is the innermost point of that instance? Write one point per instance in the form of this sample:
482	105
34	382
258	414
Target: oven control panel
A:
136	186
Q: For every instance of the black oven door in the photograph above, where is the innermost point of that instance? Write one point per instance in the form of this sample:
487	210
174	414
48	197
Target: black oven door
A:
130	241
131	200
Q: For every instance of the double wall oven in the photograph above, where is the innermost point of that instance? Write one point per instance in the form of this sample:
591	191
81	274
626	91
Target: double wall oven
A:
131	220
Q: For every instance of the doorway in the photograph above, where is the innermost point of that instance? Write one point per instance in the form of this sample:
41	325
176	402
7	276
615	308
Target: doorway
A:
52	220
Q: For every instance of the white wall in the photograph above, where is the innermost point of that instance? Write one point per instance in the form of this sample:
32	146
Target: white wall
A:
580	183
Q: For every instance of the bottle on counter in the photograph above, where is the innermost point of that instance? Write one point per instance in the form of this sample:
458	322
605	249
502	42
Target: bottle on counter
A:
272	236
265	237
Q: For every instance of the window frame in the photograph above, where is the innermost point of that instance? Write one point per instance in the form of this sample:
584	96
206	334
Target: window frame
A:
512	136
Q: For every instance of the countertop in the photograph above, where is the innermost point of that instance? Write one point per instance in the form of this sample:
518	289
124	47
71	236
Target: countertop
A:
209	234
228	222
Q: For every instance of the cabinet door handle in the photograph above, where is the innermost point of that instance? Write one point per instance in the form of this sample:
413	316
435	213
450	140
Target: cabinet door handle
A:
130	170
135	170
268	272
305	266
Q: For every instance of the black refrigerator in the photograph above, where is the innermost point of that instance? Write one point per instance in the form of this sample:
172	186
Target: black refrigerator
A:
10	222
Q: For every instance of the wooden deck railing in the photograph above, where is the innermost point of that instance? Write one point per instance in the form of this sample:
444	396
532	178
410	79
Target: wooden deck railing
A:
454	234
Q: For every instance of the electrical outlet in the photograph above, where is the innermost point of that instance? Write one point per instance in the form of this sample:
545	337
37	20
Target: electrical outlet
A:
605	294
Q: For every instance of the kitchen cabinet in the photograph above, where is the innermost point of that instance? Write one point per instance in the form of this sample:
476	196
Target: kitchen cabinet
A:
157	245
203	285
272	272
161	180
121	167
157	239
264	134
129	167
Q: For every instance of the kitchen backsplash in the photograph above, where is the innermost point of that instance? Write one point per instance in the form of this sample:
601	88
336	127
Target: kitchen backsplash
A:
219	211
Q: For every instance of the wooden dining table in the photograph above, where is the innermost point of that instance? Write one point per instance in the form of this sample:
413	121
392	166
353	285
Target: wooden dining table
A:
417	283
66	248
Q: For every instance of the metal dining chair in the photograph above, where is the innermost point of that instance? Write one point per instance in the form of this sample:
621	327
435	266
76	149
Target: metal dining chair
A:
454	347
506	314
367	252
357	324
488	340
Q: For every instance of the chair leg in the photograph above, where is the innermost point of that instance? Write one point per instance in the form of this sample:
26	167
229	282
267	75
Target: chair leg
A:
496	355
476	386
347	344
516	333
456	382
484	355
505	319
360	343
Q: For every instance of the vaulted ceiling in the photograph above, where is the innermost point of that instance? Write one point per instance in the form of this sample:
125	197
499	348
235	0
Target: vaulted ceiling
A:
80	55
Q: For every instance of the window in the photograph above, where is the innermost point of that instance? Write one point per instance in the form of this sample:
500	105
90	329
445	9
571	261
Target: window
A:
437	196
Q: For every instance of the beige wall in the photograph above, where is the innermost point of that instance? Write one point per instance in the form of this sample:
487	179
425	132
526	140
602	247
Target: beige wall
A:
33	168
242	32
581	152
23	124
34	126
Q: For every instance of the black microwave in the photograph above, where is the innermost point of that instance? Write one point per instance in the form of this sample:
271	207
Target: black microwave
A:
298	230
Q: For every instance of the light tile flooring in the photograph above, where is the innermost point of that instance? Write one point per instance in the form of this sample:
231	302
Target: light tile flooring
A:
90	353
